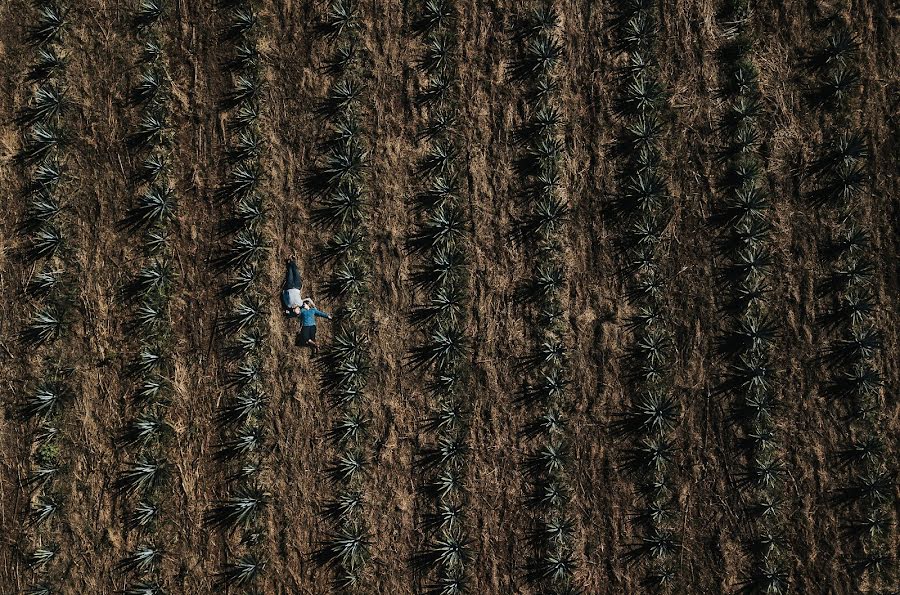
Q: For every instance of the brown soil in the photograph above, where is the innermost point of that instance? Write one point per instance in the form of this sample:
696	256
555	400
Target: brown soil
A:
103	52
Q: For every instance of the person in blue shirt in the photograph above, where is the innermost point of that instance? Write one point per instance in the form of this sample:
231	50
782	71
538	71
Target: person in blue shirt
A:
308	315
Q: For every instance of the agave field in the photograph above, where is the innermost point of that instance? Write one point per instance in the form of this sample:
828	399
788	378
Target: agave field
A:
613	290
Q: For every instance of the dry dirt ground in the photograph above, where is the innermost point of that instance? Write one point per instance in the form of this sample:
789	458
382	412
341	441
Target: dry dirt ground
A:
101	64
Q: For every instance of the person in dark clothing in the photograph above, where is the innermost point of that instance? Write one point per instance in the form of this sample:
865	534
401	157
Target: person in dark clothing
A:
308	315
290	294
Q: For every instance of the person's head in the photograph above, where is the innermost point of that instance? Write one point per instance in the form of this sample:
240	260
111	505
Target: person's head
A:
296	309
308	304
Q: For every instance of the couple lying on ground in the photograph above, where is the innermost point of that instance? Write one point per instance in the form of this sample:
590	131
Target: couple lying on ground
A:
297	306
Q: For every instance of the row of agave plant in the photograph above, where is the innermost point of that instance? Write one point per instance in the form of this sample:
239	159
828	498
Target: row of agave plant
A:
241	417
540	228
145	433
744	218
643	208
441	275
43	157
337	182
839	182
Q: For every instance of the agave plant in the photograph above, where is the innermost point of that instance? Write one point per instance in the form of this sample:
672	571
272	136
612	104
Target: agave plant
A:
147	14
342	167
242	181
434	15
549	423
144	428
245	147
246	90
347	467
42	510
541	55
752	333
643	94
650	455
443	226
241	509
769	579
246	405
242	571
341	16
241	22
644	192
440	125
638	31
347	429
147	88
247	344
444	345
346	548
839	47
547	389
550	460
349	279
39	143
241	281
242	118
342	205
140	475
861	345
445	305
436	53
245	58
48	64
341	244
871	486
45	326
436	90
45	104
837	85
246	248
142	588
441	265
149	132
45	177
657	545
41	475
557	567
44	401
142	516
45	243
143	559
763	472
865	450
41	556
154	206
344	55
446	485
40	212
245	442
654	413
151	279
449	550
448	452
51	19
343	507
340	98
244	375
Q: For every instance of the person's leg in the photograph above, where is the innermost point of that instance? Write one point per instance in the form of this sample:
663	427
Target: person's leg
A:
293	276
312	340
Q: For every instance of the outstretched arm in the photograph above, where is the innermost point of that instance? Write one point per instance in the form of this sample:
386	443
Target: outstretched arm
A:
321	314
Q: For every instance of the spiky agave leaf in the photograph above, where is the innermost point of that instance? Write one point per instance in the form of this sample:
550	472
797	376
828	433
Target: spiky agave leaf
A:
763	472
548	388
445	305
247	247
44	400
541	55
340	98
769	578
142	588
241	281
870	486
154	206
433	16
449	550
864	450
436	53
42	510
50	21
46	325
348	428
861	344
39	589
141	560
41	210
658	544
151	279
41	556
650	455
48	63
147	14
341	17
242	571
144	428
442	265
347	548
445	343
554	566
45	104
837	85
241	22
548	424
444	226
845	150
247	344
348	466
39	143
440	125
643	94
654	413
244	375
245	147
239	509
147	89
40	476
348	280
447	517
45	243
245	442
246	90
149	132
240	183
343	507
143	515
140	475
